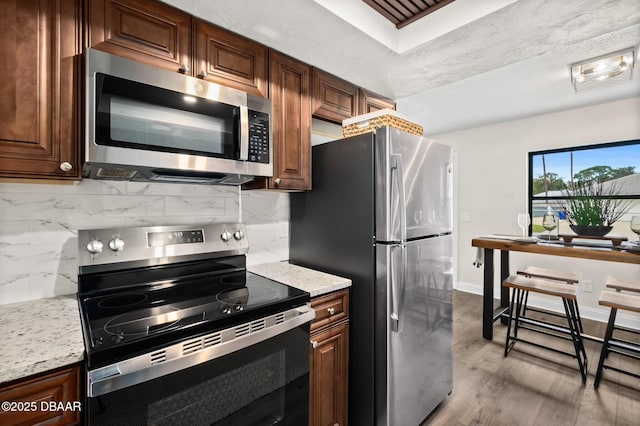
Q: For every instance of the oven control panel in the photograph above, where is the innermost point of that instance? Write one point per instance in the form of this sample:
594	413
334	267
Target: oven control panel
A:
167	238
103	246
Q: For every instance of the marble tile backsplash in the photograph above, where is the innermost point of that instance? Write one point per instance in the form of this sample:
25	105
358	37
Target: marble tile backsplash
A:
39	223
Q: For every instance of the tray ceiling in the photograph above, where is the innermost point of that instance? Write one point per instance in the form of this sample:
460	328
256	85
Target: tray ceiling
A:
403	12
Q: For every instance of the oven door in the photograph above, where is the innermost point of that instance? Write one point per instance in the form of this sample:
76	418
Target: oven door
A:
266	383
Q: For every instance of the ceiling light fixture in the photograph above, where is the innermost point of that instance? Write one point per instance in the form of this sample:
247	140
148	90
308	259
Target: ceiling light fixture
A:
603	71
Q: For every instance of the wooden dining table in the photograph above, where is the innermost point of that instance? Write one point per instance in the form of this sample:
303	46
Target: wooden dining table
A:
507	244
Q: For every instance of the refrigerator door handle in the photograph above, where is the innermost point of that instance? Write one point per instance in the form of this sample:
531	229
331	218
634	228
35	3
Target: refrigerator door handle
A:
396	166
396	291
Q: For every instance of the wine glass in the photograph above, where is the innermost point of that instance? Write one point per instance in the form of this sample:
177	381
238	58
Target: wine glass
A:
523	222
549	222
635	226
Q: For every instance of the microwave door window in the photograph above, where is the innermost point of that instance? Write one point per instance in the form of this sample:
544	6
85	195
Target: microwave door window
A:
156	126
135	115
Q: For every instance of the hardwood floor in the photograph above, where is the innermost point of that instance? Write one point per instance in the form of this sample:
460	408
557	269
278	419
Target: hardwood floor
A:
531	386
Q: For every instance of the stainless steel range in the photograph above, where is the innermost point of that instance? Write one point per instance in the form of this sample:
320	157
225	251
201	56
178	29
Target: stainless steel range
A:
178	332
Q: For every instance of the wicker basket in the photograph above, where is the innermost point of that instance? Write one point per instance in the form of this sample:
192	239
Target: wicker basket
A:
385	117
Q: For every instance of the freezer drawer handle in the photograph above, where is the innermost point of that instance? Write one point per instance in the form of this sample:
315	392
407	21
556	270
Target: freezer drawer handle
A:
396	290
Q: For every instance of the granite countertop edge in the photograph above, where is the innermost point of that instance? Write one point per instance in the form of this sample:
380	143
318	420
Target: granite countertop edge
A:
314	282
32	345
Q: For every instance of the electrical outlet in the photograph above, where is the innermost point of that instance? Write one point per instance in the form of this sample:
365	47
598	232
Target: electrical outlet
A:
465	217
587	286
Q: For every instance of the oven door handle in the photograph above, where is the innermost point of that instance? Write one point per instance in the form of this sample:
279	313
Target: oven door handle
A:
192	352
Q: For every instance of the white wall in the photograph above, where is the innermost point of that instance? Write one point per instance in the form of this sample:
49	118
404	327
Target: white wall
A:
492	186
39	223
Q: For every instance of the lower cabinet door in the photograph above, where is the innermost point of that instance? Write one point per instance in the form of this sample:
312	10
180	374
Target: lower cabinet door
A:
329	376
51	399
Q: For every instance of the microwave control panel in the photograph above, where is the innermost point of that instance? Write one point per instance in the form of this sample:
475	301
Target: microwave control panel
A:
258	137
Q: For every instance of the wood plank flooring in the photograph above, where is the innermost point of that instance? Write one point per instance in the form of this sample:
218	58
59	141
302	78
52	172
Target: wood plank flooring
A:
531	386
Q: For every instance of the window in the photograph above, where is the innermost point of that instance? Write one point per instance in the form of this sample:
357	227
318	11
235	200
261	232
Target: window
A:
608	173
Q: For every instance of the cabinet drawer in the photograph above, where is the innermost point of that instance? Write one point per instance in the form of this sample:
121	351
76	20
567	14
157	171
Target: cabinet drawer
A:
330	308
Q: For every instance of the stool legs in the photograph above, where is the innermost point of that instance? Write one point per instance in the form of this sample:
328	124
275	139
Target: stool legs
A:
575	328
516	312
605	346
524	311
515	307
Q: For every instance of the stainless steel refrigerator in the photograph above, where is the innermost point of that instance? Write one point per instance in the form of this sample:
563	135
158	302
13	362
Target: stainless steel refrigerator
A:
380	213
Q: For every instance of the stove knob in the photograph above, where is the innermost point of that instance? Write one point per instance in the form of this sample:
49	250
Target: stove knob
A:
225	236
116	244
238	235
94	246
239	308
226	310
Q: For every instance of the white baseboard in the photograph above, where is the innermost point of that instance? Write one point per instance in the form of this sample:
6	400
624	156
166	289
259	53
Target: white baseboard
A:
588	312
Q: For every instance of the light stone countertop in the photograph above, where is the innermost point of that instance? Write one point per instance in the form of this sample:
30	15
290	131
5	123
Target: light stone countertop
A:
315	282
38	336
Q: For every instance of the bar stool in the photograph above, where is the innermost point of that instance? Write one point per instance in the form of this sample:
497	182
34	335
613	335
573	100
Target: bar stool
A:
554	275
615	301
620	284
520	286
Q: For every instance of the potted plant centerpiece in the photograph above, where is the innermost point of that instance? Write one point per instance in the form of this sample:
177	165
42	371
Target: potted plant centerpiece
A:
591	207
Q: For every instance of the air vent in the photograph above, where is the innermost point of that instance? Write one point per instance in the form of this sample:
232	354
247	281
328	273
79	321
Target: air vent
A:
192	346
258	325
243	330
279	318
211	340
115	173
158	357
204	342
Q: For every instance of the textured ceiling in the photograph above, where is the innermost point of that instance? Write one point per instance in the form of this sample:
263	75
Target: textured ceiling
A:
508	64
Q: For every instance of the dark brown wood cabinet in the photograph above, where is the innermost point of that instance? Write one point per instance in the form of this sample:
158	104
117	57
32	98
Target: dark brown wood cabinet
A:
333	99
371	102
231	60
48	391
289	82
329	360
157	34
143	30
40	43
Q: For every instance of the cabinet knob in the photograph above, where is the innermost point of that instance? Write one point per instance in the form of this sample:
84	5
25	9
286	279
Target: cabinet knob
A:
66	166
331	311
277	181
203	74
184	69
314	344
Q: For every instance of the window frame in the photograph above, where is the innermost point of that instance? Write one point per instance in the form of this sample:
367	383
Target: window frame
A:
531	154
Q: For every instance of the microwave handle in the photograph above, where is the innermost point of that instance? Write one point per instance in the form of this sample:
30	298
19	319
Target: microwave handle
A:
244	133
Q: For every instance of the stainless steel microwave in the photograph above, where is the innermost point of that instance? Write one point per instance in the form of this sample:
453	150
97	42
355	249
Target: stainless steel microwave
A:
148	124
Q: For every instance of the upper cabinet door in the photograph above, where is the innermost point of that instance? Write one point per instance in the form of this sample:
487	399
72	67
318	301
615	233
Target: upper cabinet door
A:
333	99
231	60
370	102
39	97
289	89
143	30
